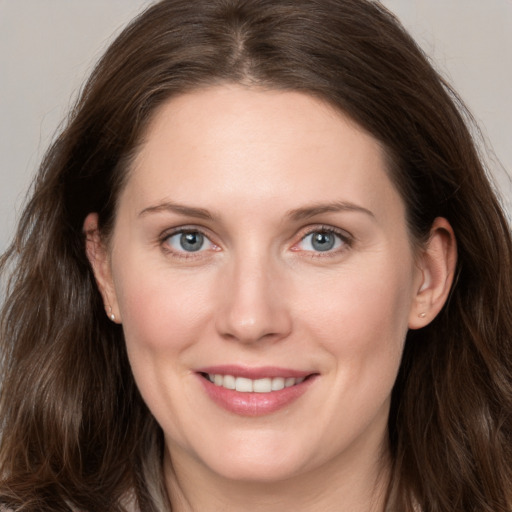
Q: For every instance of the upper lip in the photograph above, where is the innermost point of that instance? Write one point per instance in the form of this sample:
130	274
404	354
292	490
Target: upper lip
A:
254	373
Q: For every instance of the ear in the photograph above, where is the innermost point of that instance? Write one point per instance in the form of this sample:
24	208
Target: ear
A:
436	261
98	256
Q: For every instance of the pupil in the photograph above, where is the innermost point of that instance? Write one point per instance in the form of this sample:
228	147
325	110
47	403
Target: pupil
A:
323	241
191	241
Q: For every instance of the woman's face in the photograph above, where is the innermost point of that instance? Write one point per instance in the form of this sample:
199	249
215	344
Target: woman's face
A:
259	243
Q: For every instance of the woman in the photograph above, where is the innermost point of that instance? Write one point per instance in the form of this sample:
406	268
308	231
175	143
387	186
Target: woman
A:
262	269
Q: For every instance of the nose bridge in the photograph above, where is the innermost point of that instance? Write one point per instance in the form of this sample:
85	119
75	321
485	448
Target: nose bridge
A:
254	303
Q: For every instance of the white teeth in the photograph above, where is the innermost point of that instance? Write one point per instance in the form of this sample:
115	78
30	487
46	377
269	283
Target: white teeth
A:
228	382
262	385
277	383
290	381
244	385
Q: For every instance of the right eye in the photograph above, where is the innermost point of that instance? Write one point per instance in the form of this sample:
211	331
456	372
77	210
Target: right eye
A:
188	241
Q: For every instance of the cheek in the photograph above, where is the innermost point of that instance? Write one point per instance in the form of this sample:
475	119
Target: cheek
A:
161	310
163	317
361	315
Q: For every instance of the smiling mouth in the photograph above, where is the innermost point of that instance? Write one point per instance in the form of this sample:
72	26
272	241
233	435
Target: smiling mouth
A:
252	392
245	385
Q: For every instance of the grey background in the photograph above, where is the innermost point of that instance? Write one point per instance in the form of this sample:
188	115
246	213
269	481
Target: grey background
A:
48	47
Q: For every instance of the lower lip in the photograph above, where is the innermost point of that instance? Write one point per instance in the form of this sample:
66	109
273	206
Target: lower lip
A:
254	404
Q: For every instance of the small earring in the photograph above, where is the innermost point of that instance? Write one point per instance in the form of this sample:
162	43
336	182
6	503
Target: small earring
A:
111	315
422	315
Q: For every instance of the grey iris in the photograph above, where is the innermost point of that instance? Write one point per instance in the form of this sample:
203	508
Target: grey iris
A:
322	241
191	242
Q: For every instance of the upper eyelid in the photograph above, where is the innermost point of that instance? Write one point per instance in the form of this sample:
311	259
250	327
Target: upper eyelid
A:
308	230
166	233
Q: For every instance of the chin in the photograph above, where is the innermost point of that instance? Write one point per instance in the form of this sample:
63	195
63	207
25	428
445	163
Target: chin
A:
258	471
253	458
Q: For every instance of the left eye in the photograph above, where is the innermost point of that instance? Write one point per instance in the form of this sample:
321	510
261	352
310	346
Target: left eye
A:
188	241
321	241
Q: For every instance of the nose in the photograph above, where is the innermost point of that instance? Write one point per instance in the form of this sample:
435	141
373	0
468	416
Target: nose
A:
253	307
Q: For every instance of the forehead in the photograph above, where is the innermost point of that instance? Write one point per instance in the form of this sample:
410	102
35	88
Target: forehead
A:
257	148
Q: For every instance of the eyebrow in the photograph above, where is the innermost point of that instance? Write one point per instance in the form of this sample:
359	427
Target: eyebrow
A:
189	211
297	214
320	208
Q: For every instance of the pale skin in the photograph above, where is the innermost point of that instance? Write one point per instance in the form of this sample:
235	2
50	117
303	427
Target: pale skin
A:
262	175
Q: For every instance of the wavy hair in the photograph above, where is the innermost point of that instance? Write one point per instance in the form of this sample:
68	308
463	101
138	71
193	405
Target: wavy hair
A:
75	431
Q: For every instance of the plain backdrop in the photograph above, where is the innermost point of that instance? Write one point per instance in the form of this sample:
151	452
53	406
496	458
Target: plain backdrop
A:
48	47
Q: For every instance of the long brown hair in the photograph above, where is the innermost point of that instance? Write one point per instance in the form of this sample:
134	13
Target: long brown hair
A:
75	431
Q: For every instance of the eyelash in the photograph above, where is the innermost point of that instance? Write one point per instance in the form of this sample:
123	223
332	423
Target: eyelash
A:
345	239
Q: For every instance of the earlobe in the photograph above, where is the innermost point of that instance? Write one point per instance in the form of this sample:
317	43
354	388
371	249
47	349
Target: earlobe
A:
437	263
98	257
